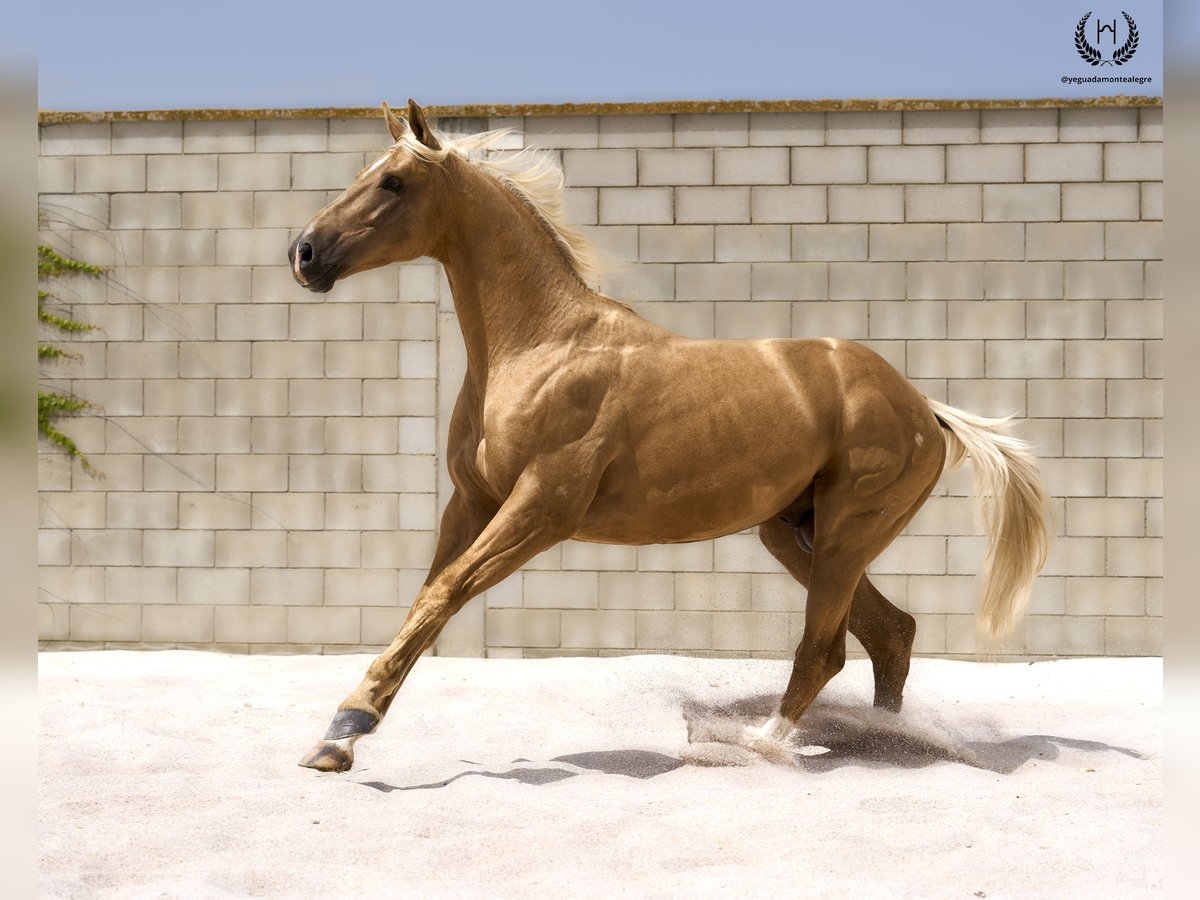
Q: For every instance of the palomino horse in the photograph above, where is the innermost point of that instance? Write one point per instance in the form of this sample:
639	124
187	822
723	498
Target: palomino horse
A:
580	419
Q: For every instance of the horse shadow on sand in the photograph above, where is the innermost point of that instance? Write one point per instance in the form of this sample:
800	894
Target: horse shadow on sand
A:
830	737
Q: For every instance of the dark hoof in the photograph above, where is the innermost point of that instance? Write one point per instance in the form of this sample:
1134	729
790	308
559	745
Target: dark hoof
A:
327	757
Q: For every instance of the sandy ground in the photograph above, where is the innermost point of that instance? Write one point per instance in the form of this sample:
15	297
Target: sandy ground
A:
173	774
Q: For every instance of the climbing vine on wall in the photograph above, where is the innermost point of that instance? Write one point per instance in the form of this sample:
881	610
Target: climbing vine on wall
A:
53	405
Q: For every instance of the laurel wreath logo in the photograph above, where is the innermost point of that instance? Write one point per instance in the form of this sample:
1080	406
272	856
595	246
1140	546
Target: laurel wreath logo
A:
1093	57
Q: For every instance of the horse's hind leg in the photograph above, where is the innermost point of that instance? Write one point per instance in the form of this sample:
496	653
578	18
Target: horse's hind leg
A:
885	631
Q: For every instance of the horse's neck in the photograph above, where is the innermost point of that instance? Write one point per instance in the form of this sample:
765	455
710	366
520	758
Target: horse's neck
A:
512	287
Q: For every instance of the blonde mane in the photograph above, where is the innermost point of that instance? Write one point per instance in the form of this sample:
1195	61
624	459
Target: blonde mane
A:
531	174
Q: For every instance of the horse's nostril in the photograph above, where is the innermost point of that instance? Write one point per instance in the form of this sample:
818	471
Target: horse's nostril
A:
305	252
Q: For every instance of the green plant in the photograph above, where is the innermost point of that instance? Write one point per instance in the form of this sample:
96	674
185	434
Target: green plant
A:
53	404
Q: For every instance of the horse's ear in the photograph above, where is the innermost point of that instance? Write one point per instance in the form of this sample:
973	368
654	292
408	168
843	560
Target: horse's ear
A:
396	125
421	130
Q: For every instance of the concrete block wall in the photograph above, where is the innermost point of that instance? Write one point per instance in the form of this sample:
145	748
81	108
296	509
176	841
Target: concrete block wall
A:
273	459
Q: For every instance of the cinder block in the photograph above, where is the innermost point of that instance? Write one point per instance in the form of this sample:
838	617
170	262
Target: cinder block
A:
697	205
325	171
829	165
211	587
364	359
192	396
288	359
674	630
753	243
254	172
1133	637
1103	437
140	585
866	203
758	631
178	548
1021	202
323	625
1064	240
242	321
1019	126
561	590
176	473
1134	477
1152	431
562	131
252	472
709	281
1066	398
1105	596
368	135
250	624
866	281
402	549
743	553
1138	557
407	397
153	360
943	203
913	555
106	547
600	167
214	511
775	593
141	510
251	397
523	628
1065	635
286	209
160	210
1103	280
181	172
752	165
870	127
710	591
1133	240
228	136
107	622
361	587
71	510
108	174
1150	123
417	435
1098	125
829	242
985	163
636	131
790	281
756	320
942	126
675	166
1133	319
945	281
636	590
1106	517
1152	200
906	242
945	359
349	435
712	130
1027	281
324	549
613	629
1128	398
362	512
891	320
180	248
841	319
75	139
905	165
1021	359
1133	162
787	129
262	246
635	206
287	587
393	321
325	397
992	320
1104	359
786	204
1091	202
675	243
274	135
56	174
1074	477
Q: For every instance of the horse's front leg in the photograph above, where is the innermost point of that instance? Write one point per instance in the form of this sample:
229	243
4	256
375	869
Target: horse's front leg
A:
525	525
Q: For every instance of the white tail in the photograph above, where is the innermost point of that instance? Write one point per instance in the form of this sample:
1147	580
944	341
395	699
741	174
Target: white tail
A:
1014	506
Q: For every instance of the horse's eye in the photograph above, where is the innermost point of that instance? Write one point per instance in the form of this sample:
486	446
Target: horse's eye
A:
391	183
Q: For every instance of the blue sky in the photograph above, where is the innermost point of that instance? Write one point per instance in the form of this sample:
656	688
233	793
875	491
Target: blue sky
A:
137	54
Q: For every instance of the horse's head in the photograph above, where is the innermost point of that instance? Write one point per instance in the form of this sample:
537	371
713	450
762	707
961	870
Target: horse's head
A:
388	214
